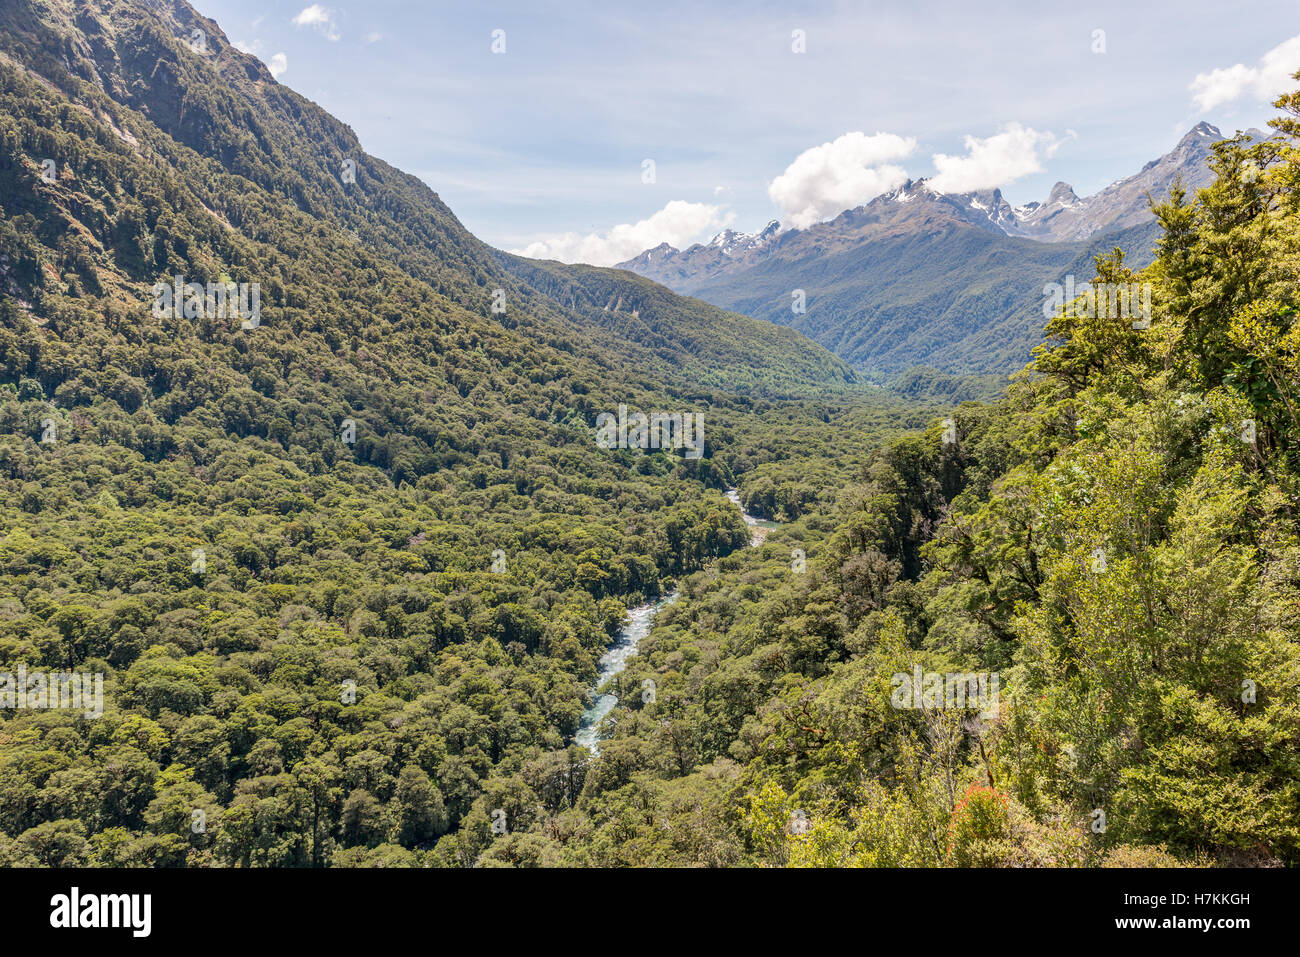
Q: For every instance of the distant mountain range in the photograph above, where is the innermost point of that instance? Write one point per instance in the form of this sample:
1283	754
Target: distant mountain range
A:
918	277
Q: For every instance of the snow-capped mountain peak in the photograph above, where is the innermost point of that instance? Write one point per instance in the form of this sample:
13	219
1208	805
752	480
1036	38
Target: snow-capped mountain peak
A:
1063	217
733	243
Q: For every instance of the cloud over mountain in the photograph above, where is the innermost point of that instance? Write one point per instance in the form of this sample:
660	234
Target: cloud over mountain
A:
677	224
849	171
994	161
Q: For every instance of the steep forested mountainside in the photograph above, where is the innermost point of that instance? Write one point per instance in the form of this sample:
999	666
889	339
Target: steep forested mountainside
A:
346	561
231	129
685	334
346	555
950	295
956	298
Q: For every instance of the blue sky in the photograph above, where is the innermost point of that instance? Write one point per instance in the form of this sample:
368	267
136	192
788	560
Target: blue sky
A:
543	147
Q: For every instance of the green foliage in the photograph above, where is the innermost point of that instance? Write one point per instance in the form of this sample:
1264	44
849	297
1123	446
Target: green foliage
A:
377	655
1110	537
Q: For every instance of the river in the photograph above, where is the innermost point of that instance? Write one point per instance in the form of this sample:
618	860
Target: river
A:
640	620
611	663
758	527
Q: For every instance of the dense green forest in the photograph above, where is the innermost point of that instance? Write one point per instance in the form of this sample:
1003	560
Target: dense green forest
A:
377	652
1115	538
182	514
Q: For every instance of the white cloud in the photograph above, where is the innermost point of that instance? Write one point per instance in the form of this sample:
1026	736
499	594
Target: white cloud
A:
319	18
279	63
836	176
993	161
679	224
1266	81
374	37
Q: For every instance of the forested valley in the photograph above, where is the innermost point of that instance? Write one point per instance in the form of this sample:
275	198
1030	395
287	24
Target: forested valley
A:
348	572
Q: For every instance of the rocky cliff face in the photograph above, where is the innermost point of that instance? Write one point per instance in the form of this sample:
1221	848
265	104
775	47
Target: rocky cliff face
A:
1067	218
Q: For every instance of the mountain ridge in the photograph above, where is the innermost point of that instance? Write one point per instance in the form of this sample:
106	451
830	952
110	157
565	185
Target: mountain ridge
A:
1063	217
920	277
217	103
